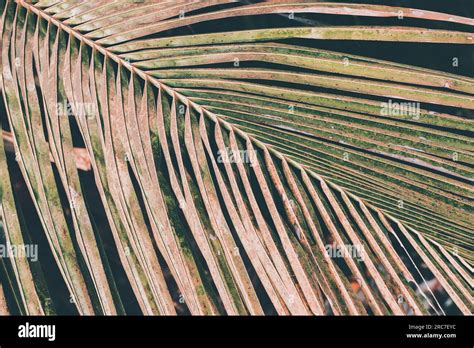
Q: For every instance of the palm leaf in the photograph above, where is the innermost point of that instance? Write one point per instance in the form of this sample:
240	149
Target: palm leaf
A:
212	172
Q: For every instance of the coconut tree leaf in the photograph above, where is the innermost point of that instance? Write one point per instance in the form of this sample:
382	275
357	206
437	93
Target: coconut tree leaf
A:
175	165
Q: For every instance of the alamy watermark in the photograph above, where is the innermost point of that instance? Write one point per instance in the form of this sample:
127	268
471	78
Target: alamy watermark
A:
400	109
29	251
79	109
229	155
355	251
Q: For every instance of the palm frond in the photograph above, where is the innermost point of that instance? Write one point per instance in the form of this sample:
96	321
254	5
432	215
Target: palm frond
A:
226	165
